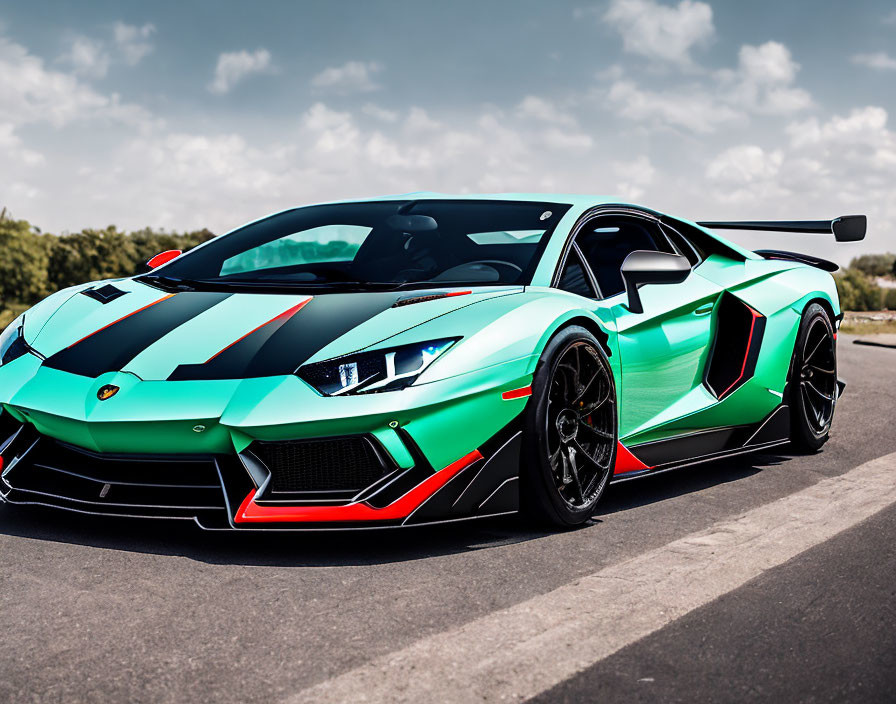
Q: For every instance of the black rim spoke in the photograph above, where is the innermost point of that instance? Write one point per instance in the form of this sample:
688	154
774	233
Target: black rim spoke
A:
581	420
591	429
818	377
812	387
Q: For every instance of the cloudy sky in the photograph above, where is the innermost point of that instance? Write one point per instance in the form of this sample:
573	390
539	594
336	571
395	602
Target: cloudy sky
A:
207	114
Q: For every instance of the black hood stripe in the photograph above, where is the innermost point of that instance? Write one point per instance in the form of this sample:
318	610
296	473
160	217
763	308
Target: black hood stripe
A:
237	354
111	347
280	347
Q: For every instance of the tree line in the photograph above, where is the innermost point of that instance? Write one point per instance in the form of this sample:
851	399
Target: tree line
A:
34	264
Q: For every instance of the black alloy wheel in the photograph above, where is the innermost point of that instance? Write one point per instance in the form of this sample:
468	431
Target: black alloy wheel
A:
813	380
570	430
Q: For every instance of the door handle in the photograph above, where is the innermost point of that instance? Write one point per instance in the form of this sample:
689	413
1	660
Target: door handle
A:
705	309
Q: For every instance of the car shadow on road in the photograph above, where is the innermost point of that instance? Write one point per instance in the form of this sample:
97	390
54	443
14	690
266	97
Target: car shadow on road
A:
366	547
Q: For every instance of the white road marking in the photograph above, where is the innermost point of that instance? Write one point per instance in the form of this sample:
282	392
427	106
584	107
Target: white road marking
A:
521	651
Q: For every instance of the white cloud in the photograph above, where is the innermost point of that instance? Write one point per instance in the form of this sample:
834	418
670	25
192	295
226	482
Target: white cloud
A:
762	82
13	150
673	144
87	57
133	41
748	174
333	130
234	66
769	63
866	125
574	141
418	120
746	163
92	57
659	32
845	163
693	109
879	60
634	176
33	93
379	113
544	111
351	77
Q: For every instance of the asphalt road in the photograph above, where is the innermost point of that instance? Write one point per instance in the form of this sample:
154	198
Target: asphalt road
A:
94	610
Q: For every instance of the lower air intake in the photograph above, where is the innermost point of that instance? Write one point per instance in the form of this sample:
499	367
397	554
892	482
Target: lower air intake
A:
329	464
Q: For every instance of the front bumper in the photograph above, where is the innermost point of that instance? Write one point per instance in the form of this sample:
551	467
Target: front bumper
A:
448	450
244	492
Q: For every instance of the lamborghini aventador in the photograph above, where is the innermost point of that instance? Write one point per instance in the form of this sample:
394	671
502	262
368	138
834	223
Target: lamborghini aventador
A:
417	359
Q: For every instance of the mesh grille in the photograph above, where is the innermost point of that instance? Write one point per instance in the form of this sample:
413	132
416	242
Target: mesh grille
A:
335	464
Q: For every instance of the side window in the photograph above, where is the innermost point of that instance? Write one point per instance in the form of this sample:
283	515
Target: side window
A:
574	279
608	240
683	246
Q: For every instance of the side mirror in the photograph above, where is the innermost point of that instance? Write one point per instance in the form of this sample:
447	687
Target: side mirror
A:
163	258
645	267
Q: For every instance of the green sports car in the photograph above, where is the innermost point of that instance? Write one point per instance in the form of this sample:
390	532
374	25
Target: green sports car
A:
418	359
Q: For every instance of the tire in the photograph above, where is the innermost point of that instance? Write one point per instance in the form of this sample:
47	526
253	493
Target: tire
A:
813	381
570	431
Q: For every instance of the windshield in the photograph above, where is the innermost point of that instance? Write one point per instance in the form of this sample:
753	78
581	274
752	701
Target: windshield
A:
378	244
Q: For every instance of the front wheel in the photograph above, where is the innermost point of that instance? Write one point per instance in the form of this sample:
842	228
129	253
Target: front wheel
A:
570	431
813	380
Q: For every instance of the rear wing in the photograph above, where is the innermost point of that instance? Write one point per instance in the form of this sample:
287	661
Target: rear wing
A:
846	228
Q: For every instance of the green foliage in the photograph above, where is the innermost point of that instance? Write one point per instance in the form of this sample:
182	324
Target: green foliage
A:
875	264
33	264
890	298
23	264
149	243
91	255
857	291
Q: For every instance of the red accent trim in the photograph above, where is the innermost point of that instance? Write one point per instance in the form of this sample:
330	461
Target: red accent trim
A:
1	463
250	512
285	314
458	293
163	258
133	312
756	315
517	393
626	461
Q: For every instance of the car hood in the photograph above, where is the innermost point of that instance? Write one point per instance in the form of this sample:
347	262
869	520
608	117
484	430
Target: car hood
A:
203	335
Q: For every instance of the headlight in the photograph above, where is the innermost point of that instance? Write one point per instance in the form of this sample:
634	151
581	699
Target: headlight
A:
12	341
370	372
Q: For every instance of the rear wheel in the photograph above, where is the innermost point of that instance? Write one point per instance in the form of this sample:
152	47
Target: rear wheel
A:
570	431
813	380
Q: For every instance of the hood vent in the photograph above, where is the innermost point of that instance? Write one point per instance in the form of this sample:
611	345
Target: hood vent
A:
104	294
409	300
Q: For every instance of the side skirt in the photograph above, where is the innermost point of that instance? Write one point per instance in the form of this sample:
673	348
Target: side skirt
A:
707	445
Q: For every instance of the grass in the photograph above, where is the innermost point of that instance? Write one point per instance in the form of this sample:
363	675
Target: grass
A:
869	323
873	327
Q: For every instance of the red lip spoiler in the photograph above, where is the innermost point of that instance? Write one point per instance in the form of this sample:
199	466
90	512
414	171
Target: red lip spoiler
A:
250	512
